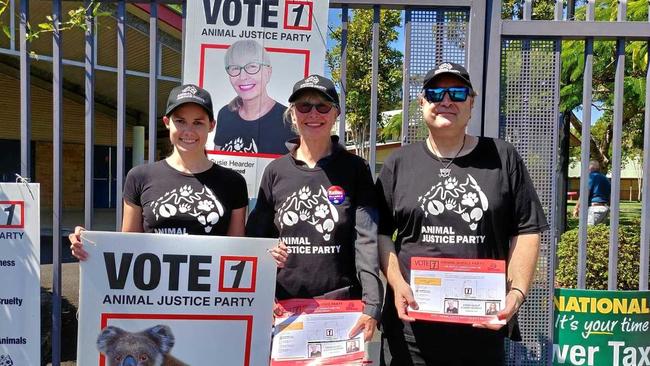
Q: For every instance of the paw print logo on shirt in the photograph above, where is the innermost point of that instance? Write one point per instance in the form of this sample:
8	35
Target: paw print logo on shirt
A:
312	208
464	199
239	145
203	205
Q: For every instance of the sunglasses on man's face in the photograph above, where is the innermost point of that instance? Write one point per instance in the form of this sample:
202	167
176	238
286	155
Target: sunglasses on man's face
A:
306	107
456	94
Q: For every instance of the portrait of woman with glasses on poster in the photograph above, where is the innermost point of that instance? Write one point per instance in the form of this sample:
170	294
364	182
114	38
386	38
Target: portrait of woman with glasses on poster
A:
252	122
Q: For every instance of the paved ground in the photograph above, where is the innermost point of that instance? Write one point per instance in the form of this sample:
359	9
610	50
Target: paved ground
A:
69	280
70	293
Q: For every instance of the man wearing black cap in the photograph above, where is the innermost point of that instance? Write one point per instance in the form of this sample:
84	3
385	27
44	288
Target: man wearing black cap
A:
453	196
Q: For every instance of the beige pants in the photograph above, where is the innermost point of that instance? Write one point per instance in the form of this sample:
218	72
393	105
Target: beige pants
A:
597	214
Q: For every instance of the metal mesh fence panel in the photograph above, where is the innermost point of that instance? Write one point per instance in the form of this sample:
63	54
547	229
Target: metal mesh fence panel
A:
528	119
436	36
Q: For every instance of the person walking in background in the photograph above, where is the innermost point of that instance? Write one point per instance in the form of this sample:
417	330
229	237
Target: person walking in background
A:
599	194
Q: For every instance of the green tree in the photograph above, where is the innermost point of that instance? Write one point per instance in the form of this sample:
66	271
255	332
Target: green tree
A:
514	9
391	129
76	18
604	67
359	70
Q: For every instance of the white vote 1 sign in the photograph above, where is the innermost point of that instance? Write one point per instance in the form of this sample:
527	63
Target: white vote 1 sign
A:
271	44
175	299
20	328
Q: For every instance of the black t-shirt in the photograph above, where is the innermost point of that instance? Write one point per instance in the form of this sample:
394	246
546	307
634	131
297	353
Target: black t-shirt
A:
266	135
314	211
174	202
487	198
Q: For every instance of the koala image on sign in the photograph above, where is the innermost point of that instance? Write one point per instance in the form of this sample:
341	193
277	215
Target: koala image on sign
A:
149	347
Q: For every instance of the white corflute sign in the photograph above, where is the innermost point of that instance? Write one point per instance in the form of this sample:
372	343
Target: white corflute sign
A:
175	299
292	32
248	55
20	300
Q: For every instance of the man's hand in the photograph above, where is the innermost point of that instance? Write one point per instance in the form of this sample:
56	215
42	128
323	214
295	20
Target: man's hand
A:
513	301
365	323
403	299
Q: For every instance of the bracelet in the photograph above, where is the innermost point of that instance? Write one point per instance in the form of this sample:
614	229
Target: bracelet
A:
523	295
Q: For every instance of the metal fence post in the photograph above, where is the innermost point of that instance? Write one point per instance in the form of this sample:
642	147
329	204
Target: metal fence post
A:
585	136
121	109
153	78
616	154
57	176
89	142
344	71
25	94
374	103
406	82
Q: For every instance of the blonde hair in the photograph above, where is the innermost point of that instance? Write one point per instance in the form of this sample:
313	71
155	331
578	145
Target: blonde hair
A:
249	51
311	96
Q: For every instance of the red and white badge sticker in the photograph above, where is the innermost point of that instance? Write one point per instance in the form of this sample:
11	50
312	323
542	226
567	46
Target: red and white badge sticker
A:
336	195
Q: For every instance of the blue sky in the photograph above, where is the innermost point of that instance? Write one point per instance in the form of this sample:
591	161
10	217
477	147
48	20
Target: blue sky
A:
334	20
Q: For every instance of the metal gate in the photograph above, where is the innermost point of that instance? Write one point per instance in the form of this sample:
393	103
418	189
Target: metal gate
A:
515	66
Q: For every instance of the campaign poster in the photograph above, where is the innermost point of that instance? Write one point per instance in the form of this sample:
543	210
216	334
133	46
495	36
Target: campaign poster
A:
20	300
317	332
457	290
248	55
175	300
594	327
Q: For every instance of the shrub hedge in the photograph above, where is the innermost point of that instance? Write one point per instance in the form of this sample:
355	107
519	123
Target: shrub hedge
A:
598	258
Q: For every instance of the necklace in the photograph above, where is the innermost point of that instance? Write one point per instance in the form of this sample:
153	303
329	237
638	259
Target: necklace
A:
445	171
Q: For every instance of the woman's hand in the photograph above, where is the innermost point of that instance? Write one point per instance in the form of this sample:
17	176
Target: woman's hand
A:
365	323
403	299
278	310
279	254
76	247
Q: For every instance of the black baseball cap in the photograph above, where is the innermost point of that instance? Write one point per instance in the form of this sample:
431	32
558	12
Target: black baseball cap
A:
189	93
318	83
447	68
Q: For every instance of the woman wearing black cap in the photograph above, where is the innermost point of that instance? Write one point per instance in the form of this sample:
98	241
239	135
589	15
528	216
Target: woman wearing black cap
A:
320	201
454	196
184	193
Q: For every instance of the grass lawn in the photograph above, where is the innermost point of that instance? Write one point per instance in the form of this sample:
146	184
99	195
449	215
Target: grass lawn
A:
630	213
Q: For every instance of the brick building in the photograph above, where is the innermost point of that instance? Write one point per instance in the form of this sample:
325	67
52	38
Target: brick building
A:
137	88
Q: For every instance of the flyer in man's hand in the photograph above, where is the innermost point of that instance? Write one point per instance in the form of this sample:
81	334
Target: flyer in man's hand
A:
316	332
455	290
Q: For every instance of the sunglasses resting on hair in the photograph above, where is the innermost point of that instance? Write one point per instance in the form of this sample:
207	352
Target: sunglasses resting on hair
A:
456	94
306	107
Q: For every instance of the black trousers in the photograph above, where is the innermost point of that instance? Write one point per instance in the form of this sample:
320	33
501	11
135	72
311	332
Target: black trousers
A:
428	343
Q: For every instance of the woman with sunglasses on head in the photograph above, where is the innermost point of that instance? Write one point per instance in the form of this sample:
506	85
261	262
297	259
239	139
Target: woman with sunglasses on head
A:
184	193
320	201
252	122
454	196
